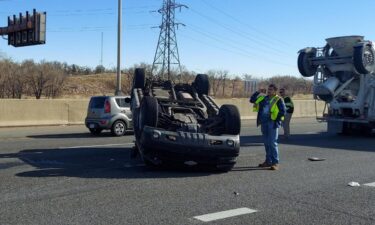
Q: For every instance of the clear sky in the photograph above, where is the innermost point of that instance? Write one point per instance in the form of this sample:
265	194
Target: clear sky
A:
261	37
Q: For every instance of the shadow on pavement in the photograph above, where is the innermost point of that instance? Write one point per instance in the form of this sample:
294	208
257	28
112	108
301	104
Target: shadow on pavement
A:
110	163
75	135
248	141
321	140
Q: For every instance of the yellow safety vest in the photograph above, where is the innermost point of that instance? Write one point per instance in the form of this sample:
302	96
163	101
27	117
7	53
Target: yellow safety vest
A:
274	111
256	104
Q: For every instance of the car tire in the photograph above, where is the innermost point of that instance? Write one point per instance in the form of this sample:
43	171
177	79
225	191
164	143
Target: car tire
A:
95	131
202	84
148	115
304	64
139	78
232	119
364	59
118	128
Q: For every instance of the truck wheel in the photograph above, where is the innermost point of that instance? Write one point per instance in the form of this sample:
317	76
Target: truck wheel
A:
139	78
304	65
364	59
232	119
118	128
148	115
95	131
202	84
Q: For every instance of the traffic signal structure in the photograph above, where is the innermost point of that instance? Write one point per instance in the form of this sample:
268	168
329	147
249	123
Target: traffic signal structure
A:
26	30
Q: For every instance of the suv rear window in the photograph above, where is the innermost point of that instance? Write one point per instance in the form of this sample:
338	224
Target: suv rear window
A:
121	102
97	102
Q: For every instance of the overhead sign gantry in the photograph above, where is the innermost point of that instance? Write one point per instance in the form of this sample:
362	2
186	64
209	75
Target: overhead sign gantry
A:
26	30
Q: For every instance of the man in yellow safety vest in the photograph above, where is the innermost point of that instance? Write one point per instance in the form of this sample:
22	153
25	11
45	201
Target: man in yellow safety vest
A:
271	112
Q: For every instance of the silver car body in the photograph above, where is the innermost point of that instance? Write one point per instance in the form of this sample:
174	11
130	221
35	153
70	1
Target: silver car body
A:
98	118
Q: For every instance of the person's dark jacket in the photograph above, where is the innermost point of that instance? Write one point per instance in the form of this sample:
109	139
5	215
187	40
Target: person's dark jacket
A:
288	101
280	104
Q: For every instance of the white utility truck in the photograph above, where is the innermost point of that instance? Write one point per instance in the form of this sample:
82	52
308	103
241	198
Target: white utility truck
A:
344	78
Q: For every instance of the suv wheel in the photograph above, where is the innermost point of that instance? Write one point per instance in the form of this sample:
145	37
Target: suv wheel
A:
232	119
148	115
139	78
118	128
95	131
202	84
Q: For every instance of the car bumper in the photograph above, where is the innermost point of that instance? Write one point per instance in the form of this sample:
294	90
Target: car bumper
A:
100	123
191	149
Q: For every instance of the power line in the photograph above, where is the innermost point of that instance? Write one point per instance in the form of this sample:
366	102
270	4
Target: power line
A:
97	11
265	35
239	33
234	42
236	52
97	28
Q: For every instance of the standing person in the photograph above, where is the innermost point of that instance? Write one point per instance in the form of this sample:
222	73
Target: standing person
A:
289	112
271	112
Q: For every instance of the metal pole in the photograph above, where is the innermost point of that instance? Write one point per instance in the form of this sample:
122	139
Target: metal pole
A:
118	86
101	52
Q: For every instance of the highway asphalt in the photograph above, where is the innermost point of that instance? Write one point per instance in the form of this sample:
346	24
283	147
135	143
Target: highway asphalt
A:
63	175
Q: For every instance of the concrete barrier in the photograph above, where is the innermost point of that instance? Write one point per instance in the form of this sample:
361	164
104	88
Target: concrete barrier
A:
302	108
27	112
31	112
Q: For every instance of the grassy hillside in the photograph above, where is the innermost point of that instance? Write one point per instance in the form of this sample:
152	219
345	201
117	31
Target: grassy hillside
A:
89	85
84	86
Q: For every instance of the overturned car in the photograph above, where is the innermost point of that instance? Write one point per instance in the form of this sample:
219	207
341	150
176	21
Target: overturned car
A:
180	124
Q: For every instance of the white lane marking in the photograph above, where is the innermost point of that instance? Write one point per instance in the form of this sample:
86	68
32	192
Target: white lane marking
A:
370	184
94	146
224	214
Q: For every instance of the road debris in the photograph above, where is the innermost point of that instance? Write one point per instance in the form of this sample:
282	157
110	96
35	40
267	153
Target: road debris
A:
315	159
354	184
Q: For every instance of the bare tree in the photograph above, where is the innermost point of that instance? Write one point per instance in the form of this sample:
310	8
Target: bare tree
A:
235	83
223	74
56	79
38	77
4	68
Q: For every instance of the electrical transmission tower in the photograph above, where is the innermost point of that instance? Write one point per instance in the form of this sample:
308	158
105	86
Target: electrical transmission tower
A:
166	56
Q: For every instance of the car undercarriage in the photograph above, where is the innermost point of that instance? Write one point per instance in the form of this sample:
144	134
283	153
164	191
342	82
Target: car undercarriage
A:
182	124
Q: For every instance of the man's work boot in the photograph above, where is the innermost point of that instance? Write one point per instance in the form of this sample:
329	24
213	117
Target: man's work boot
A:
274	167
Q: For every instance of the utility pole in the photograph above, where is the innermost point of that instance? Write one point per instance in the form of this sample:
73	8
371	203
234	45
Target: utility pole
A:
166	55
118	83
101	52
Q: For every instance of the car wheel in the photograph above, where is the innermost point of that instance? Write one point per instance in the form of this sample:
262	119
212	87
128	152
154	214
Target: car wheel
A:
304	64
95	131
139	78
118	128
364	59
232	119
202	84
148	115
